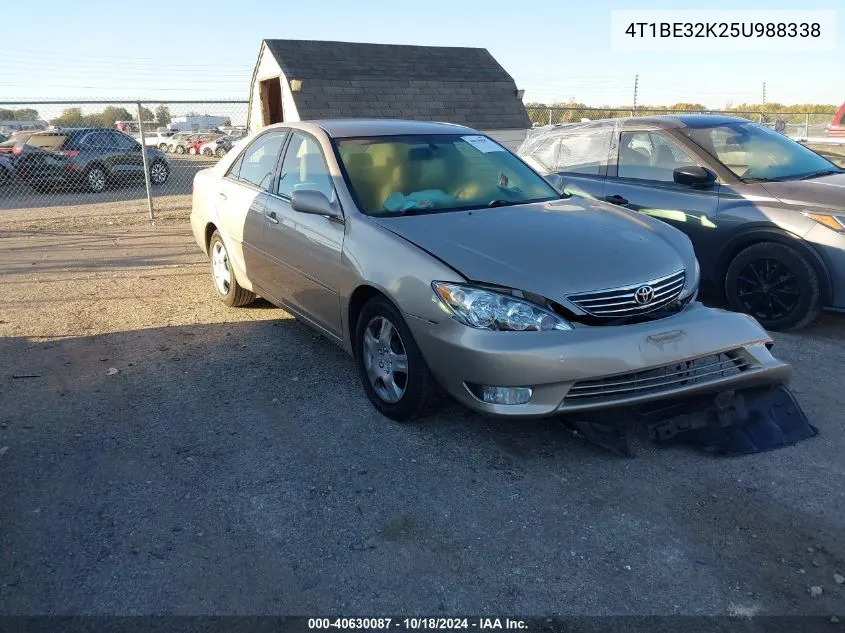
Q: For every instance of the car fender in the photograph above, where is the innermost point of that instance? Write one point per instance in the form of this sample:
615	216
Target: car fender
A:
748	235
410	292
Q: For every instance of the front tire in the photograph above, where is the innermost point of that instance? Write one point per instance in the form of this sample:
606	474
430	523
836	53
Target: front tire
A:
179	149
223	275
392	369
775	284
206	151
220	152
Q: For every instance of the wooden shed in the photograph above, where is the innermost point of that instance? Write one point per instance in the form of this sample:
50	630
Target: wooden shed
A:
298	80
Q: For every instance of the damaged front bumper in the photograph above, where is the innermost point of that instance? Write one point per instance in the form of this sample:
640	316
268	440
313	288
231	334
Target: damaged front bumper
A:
727	423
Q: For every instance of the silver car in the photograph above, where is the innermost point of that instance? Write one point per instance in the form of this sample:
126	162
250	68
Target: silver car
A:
766	214
439	260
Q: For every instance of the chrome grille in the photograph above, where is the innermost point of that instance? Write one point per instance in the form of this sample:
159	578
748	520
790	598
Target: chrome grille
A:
622	302
699	370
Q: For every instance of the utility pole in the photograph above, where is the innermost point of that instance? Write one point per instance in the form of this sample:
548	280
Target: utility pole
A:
636	88
763	107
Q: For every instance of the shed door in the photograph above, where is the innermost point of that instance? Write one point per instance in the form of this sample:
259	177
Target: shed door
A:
271	101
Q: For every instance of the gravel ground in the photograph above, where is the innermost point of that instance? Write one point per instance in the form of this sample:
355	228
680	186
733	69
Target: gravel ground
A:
160	453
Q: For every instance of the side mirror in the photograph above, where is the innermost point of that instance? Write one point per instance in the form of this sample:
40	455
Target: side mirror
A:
314	203
694	176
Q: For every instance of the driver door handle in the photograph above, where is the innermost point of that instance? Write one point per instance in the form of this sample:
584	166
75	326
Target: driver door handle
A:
616	199
271	216
221	195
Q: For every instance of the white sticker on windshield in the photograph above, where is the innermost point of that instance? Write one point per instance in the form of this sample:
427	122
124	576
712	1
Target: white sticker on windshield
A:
483	144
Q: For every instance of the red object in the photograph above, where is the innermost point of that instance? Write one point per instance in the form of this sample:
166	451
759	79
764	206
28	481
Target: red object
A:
837	127
16	150
70	153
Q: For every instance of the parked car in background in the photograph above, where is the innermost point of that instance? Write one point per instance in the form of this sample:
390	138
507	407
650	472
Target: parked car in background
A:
837	126
434	256
766	214
7	169
16	141
219	147
88	157
159	139
184	145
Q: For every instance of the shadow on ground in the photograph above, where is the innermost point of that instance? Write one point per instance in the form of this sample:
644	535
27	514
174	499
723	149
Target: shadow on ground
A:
238	468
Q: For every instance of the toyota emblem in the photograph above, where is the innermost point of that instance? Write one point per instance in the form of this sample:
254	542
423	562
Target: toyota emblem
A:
644	295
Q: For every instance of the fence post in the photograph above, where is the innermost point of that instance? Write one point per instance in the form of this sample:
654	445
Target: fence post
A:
146	162
550	116
807	125
761	118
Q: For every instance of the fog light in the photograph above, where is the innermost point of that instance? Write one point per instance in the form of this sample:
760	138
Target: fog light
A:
501	395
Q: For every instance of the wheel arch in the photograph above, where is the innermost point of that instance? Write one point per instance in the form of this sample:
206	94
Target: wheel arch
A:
210	228
756	235
357	300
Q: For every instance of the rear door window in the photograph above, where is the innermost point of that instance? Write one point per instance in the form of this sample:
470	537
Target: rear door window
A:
258	162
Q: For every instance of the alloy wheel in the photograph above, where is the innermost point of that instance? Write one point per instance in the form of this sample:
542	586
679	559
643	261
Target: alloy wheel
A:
96	179
158	173
767	289
220	268
385	359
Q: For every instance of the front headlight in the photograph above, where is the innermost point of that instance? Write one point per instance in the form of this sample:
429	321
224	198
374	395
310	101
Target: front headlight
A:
489	310
830	220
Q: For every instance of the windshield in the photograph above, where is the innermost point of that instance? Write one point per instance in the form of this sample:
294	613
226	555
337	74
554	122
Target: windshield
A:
442	172
755	152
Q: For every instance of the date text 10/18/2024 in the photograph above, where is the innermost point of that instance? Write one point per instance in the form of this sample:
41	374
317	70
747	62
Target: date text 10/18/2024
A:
417	623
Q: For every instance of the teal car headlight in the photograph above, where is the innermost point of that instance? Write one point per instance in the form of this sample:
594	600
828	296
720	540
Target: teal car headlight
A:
489	310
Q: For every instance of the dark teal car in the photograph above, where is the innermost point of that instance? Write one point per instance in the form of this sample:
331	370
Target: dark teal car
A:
92	158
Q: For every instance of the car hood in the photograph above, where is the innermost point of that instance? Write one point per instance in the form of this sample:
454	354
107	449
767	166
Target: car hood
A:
826	192
551	249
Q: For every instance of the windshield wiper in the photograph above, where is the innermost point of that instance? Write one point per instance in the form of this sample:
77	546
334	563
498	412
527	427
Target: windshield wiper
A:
500	203
823	172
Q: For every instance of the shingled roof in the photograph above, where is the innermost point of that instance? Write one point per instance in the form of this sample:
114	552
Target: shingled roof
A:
351	80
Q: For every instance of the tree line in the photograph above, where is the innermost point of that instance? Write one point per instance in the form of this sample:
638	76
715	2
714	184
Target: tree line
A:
74	117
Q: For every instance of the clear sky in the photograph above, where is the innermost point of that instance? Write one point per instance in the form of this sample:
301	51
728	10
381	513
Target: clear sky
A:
555	50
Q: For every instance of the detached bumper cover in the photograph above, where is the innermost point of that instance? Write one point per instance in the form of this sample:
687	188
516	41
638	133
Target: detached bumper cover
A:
729	423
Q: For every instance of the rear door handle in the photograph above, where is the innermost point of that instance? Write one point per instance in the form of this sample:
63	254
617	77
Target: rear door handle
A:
271	216
221	195
616	199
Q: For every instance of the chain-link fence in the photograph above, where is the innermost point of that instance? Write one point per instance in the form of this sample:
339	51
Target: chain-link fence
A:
85	158
798	125
89	154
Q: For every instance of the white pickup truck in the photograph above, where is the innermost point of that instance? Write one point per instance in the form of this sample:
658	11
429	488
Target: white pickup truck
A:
159	139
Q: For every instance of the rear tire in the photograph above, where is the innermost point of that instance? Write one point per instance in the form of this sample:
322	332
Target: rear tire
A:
220	152
95	179
419	392
775	284
206	151
159	172
179	149
223	275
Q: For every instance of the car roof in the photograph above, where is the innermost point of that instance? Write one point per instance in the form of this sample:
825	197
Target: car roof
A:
688	120
346	128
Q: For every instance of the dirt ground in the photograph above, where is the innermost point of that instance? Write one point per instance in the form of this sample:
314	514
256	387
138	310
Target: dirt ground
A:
161	453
